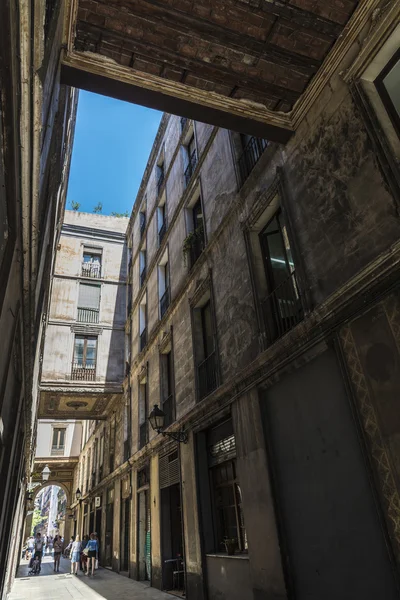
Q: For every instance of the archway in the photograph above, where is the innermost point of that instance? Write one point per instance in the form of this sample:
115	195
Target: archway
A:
48	512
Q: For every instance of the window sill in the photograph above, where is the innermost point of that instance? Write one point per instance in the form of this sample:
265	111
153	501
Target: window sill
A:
241	556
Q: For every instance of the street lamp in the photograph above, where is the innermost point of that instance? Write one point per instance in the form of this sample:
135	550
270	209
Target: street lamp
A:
46	473
78	494
157	420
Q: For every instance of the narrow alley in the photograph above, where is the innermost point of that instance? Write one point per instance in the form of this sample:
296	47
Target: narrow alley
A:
105	585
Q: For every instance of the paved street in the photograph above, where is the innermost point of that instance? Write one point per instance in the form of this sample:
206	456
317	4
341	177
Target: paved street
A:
64	586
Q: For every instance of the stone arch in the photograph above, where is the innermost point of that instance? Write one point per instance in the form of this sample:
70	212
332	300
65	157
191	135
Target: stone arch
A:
45	484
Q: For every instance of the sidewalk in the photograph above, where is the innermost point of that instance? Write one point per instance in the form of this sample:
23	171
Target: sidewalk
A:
105	585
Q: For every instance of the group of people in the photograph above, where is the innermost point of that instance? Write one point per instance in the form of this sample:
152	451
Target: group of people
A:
83	553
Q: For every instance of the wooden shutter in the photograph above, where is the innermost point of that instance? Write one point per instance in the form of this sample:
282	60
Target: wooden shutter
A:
169	469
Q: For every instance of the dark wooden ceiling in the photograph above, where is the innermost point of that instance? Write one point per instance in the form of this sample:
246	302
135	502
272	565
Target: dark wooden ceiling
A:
265	51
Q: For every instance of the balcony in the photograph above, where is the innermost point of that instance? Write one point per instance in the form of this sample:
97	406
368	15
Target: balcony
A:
282	309
90	269
191	166
143	339
143	435
142	277
250	156
164	303
83	373
88	315
207	374
57	450
161	233
160	181
168	408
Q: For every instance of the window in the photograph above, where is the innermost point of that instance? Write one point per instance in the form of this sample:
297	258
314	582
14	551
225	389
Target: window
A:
111	453
163	284
95	461
167	387
205	348
142	221
101	456
388	86
91	265
88	480
191	160
222	497
282	308
195	242
58	443
160	174
88	303
252	149
143	323
143	423
84	362
161	220
142	266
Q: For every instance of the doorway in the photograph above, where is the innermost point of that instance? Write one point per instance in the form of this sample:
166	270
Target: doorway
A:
124	537
98	530
109	535
144	539
173	562
91	522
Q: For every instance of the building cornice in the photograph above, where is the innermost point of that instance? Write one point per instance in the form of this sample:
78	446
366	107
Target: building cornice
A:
93	233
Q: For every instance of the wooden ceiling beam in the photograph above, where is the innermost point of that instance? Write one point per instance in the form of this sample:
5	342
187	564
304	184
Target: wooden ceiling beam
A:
197	67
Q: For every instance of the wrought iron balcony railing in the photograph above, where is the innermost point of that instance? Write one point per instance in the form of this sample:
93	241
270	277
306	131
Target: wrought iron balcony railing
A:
161	233
282	308
83	373
88	315
207	375
168	409
143	339
90	269
143	434
164	303
190	166
142	277
196	249
57	450
250	156
160	181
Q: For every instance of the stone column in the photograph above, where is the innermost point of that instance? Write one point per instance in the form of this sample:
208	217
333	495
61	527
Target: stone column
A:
194	576
117	526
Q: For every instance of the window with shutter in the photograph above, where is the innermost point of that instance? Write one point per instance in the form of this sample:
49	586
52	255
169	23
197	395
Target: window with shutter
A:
88	303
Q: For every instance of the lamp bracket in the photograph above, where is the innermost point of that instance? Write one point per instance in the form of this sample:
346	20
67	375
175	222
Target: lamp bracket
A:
179	436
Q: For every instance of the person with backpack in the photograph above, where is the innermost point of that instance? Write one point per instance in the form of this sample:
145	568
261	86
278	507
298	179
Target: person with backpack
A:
92	550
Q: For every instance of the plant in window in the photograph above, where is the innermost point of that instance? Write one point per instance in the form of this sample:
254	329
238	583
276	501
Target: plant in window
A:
194	237
230	545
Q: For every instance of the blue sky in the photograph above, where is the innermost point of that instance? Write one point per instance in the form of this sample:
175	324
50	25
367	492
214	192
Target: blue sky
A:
112	143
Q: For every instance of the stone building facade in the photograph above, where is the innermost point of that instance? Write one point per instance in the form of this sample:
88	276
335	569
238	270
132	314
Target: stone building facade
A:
37	117
263	320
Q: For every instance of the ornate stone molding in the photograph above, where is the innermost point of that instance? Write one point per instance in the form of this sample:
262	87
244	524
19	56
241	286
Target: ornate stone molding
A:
380	459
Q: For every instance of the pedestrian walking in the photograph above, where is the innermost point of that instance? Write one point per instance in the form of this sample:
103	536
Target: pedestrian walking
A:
58	546
84	553
75	555
92	553
38	551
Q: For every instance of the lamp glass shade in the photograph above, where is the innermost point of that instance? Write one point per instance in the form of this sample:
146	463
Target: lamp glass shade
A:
157	418
78	494
46	473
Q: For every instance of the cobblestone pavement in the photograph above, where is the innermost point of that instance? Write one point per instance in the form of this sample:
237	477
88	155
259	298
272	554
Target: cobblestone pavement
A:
105	585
